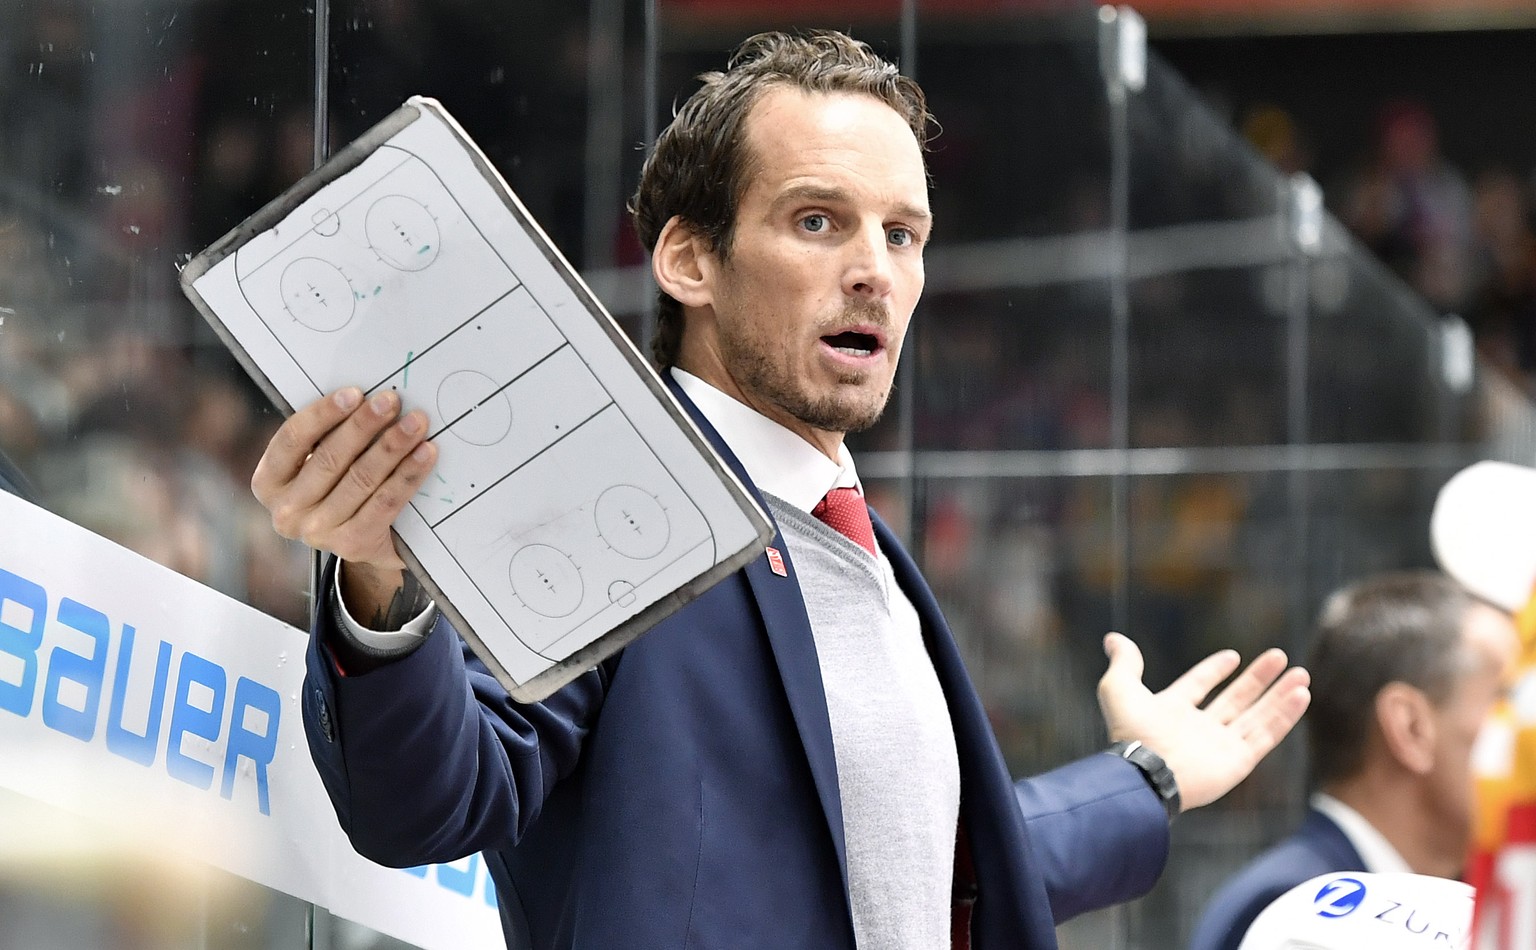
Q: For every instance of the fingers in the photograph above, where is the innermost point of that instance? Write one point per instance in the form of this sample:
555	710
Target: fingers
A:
331	464
1249	686
339	471
1263	724
296	439
378	486
1198	681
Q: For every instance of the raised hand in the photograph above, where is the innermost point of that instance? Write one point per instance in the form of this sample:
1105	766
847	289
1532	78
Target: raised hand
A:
1213	748
336	475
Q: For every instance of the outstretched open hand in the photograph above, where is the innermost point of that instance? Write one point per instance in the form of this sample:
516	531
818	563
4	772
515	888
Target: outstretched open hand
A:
1209	749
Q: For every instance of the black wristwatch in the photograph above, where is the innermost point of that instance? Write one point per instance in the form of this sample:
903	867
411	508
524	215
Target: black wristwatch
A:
1156	772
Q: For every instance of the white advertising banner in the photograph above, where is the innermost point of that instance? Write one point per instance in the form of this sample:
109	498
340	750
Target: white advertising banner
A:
138	698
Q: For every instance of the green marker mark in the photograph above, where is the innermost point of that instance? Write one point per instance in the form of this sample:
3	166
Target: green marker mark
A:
424	249
377	290
440	478
406	379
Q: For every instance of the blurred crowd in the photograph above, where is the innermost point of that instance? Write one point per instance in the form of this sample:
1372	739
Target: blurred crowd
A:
124	412
146	441
134	135
1463	239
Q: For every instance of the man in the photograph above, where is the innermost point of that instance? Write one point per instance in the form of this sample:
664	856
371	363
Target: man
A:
1405	668
788	761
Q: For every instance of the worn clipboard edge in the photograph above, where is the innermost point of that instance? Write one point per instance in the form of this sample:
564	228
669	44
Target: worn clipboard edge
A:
272	214
563	671
352	155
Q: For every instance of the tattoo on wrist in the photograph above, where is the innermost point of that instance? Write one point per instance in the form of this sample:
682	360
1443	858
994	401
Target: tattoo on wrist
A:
410	600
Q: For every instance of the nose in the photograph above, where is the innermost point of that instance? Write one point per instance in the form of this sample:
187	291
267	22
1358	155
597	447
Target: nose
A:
868	273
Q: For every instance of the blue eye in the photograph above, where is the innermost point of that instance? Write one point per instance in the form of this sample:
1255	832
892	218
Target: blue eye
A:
814	223
901	237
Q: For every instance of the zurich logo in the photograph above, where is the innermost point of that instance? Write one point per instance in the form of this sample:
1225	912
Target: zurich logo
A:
1340	897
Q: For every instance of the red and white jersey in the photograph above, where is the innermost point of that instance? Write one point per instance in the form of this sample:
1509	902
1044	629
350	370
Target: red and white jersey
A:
1483	531
1503	863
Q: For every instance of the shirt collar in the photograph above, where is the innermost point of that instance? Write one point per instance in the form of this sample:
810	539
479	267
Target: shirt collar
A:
777	460
1376	852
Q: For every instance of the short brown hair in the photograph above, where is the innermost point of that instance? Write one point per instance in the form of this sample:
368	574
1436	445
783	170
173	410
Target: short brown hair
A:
699	169
1401	627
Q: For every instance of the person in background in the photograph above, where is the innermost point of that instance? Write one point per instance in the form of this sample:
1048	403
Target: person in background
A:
1412	207
1405	668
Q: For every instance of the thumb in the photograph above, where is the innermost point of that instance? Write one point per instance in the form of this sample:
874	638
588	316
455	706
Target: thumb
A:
1125	660
1120	687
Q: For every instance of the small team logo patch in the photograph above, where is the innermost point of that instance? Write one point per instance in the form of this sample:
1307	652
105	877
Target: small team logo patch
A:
776	561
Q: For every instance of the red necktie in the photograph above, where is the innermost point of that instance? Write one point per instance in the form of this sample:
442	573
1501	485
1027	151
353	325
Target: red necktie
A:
844	511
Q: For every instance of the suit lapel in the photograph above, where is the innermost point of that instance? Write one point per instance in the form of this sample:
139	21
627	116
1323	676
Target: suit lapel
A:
1330	840
987	806
794	648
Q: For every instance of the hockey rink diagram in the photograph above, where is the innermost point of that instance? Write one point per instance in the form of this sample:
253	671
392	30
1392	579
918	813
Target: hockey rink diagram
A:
564	518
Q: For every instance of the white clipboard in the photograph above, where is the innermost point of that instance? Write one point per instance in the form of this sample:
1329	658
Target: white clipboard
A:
574	503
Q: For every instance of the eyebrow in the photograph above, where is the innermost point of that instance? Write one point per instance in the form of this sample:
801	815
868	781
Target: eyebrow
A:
820	193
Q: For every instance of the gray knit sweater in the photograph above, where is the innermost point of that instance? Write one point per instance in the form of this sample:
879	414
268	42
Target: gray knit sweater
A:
897	771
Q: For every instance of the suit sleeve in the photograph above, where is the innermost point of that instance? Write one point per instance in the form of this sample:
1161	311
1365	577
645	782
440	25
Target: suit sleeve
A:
427	759
1098	830
1227	919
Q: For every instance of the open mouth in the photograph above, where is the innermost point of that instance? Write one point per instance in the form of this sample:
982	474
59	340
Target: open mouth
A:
852	343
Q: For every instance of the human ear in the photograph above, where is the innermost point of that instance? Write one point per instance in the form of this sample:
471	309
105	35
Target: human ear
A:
680	263
1407	723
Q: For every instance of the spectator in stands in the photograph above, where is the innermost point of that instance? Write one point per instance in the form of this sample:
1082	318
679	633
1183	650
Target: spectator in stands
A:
1502	311
1275	133
1413	209
1405	668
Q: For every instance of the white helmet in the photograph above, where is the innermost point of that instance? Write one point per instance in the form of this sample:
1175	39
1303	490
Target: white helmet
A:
1483	530
1351	910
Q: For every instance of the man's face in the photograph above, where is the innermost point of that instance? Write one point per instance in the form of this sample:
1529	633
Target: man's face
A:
1490	645
808	307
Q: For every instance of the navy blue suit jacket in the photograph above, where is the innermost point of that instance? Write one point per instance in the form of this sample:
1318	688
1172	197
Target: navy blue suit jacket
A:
684	793
1317	847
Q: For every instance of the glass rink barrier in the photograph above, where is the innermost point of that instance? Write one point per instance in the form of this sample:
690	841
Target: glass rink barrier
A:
1153	386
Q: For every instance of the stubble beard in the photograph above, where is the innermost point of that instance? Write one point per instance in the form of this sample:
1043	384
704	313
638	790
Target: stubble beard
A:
853	411
845	410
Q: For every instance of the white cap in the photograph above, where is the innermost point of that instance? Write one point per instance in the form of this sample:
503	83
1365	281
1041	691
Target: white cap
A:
1348	910
1483	531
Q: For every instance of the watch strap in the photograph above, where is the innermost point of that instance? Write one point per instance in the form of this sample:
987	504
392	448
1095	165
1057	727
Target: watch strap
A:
1154	770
